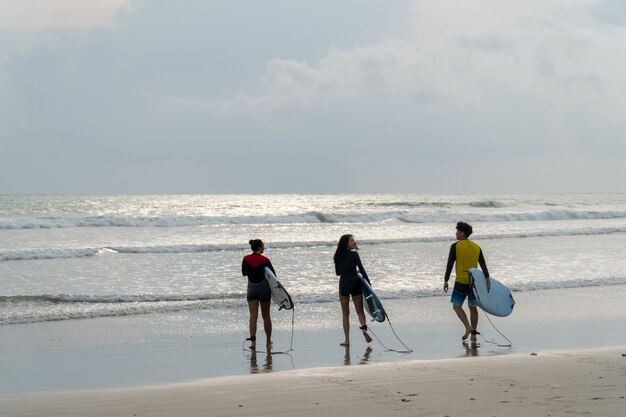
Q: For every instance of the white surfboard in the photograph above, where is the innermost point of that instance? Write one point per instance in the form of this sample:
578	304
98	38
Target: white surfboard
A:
279	294
497	301
371	301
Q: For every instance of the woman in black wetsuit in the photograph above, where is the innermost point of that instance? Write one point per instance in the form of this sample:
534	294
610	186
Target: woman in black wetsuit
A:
259	293
347	261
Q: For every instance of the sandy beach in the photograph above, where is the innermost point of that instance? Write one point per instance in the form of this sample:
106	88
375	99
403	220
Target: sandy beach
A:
590	382
564	361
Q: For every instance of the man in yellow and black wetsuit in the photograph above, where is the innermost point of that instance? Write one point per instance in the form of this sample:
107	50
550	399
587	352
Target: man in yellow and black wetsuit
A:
466	254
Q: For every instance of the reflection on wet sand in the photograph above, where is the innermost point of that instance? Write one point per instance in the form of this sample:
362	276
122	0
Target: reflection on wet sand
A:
254	364
347	360
471	348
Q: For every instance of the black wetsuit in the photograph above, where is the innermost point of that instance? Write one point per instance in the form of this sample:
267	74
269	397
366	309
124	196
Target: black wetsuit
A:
253	266
346	268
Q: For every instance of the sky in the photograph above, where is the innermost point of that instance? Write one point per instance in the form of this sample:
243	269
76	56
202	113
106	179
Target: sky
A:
283	96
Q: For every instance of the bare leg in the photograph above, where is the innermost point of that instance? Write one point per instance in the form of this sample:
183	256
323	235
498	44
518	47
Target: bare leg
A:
474	321
345	314
463	317
267	322
358	306
253	306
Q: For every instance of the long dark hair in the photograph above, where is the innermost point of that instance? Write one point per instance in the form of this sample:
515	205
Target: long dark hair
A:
342	249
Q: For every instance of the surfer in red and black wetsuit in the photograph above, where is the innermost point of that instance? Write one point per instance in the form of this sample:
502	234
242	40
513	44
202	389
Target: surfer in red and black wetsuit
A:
258	293
347	261
466	254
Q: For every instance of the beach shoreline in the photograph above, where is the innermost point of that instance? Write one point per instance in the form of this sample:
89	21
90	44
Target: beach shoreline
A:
136	351
581	382
564	361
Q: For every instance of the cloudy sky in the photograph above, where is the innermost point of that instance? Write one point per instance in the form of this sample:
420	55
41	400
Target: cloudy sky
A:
238	96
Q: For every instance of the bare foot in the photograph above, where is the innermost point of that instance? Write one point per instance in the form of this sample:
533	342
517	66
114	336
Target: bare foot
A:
467	333
367	337
346	343
474	333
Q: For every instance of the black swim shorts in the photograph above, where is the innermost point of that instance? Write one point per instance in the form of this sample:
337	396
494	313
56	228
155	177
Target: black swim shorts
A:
260	291
350	286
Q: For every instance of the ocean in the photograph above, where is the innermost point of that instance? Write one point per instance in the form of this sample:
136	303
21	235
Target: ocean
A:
66	258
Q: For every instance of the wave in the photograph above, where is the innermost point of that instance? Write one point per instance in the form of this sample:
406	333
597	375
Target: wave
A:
442	204
21	309
37	254
487	203
409	216
41	308
43	254
187	221
113	299
63	312
541	215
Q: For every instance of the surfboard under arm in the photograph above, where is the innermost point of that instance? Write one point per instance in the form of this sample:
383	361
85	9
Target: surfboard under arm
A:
280	296
497	300
371	301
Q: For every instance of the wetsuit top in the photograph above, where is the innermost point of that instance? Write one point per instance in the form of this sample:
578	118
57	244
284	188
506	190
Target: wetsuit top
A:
346	267
253	266
466	254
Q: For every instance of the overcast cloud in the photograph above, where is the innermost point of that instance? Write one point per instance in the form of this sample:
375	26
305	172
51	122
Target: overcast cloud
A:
232	96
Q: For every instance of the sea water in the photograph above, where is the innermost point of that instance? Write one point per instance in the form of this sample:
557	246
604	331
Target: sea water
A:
66	258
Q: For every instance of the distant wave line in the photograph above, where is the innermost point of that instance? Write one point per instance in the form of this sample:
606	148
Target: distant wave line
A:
442	204
62	253
312	217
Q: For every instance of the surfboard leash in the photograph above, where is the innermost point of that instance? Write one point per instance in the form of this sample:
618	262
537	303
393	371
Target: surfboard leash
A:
293	319
408	349
496	329
286	352
490	322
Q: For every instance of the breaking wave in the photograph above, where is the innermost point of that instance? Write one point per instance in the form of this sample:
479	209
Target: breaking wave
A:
54	253
41	308
407	216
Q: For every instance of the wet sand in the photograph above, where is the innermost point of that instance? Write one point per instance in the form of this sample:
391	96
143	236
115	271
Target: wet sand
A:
566	358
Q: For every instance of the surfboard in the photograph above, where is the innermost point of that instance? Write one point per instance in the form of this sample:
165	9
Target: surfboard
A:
279	294
371	301
497	301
